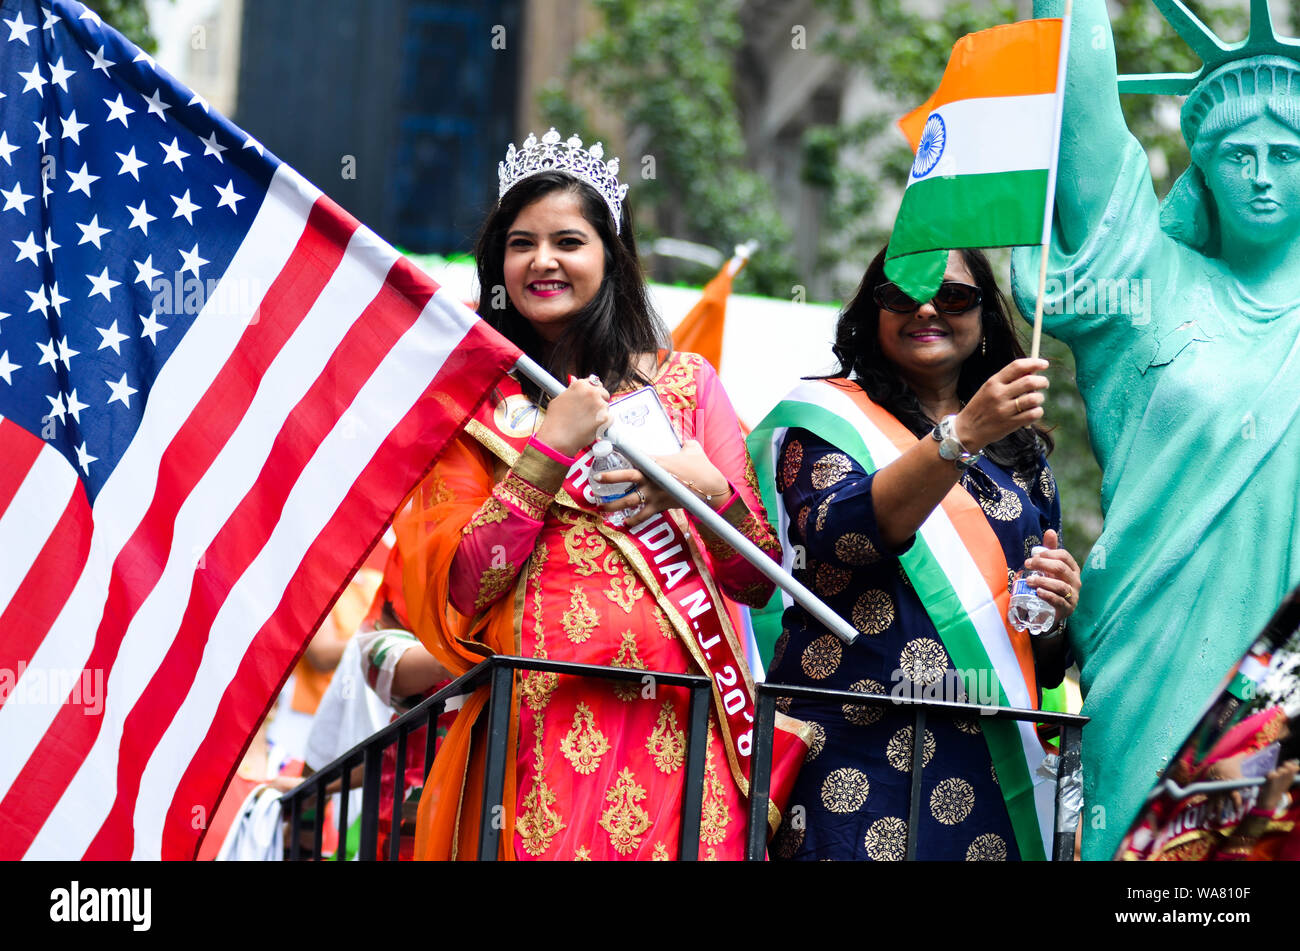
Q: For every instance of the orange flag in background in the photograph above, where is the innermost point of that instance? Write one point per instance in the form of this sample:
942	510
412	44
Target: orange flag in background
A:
701	330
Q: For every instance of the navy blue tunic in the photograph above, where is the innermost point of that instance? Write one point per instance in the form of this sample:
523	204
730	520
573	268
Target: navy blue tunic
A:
856	783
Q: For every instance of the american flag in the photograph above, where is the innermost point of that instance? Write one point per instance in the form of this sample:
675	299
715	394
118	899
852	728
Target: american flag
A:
215	388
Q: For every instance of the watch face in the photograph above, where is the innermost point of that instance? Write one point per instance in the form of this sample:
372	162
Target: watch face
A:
949	449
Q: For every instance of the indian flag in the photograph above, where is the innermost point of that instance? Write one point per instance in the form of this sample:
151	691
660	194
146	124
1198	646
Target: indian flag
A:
986	145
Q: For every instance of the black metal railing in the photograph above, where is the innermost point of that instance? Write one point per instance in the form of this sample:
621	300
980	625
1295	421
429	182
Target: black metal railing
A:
499	672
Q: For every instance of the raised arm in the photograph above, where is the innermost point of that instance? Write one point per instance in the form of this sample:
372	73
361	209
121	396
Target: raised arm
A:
1092	129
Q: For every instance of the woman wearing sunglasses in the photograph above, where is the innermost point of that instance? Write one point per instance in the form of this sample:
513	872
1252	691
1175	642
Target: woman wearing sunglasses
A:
933	411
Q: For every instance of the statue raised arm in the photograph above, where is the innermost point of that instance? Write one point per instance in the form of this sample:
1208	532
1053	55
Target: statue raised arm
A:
1184	319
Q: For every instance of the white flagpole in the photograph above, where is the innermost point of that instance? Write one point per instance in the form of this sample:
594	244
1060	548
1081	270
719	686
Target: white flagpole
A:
716	523
1050	205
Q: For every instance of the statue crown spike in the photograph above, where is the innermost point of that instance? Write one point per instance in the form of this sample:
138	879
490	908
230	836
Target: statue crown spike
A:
1262	40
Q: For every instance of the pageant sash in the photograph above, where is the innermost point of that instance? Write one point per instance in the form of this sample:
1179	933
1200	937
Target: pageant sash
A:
666	559
957	569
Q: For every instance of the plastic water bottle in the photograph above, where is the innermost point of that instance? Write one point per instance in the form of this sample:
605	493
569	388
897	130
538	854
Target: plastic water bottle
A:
1029	612
607	459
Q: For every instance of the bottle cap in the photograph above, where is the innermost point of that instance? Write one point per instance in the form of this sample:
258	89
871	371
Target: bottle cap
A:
1037	550
601	448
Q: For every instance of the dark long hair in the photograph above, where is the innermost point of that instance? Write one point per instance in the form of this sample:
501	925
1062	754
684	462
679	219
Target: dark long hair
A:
615	327
857	347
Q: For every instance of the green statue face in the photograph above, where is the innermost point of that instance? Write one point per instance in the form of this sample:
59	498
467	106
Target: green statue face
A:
1253	173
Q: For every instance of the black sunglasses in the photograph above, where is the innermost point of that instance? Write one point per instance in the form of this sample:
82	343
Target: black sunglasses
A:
952	297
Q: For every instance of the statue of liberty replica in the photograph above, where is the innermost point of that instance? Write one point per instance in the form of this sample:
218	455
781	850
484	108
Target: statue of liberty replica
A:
1184	319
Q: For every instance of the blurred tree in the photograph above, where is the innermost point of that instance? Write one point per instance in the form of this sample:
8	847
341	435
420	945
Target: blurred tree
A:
666	65
131	19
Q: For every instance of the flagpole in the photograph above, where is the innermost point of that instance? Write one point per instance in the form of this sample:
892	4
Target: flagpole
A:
711	519
1050	205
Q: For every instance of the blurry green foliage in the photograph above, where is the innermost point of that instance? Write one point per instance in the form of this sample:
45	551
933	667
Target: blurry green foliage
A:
666	66
130	18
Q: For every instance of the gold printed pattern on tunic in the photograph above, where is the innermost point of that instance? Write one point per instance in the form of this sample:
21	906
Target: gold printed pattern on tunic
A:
623	819
861	715
677	387
845	790
855	548
791	461
660	853
924	660
989	847
952	801
821	658
818	741
667	742
830	579
1004	508
822	511
873	612
899	750
625	591
581	618
886	840
830	469
584	544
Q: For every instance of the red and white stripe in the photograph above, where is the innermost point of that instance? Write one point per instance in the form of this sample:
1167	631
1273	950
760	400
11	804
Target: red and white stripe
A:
273	449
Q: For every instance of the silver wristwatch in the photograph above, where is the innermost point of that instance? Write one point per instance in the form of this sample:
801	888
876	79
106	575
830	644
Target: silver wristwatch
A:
950	447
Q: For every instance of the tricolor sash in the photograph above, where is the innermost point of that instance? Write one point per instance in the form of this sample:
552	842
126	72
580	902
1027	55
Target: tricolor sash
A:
666	559
957	569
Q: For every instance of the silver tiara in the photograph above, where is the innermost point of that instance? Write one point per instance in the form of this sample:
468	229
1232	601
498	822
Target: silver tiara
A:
569	157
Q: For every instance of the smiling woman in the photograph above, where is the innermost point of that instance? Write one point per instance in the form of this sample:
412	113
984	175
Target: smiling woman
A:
507	549
945	383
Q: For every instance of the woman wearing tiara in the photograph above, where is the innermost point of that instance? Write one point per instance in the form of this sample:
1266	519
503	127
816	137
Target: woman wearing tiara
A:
507	551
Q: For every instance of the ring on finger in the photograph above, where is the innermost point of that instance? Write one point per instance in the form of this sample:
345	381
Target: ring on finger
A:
1069	595
1018	409
641	499
594	380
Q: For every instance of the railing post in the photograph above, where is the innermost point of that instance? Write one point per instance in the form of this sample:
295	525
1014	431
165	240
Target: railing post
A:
374	764
295	819
760	775
318	837
1067	765
697	744
492	817
399	792
914	806
346	788
431	735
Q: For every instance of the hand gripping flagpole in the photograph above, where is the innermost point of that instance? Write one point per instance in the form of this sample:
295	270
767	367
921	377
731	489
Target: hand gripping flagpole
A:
715	522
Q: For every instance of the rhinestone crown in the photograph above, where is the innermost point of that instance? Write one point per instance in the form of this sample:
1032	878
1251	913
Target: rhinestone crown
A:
568	156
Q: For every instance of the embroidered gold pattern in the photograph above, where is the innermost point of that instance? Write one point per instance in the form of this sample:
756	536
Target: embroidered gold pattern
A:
924	660
873	612
829	469
489	513
628	656
678	385
886	840
715	814
830	579
751	477
791	460
822	657
952	801
525	496
493	583
899	750
538	685
625	591
758	531
989	847
968	726
583	544
539	823
660	853
665	626
845	790
581	618
864	716
822	511
584	744
854	548
818	742
582	854
667	742
624	820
